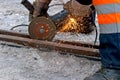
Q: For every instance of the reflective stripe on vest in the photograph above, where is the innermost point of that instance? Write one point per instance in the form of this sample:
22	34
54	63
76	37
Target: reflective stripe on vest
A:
109	28
108	15
106	9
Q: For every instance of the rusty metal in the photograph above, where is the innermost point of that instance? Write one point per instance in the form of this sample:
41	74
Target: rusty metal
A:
76	43
42	28
61	47
14	33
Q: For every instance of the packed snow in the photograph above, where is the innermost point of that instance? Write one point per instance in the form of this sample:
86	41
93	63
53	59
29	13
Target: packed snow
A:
25	63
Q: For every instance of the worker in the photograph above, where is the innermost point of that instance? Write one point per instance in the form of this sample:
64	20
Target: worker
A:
108	12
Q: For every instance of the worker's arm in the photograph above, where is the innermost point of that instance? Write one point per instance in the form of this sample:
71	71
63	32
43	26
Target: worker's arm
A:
40	7
85	2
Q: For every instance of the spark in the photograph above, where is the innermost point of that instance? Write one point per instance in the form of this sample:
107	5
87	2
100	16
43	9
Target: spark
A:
71	24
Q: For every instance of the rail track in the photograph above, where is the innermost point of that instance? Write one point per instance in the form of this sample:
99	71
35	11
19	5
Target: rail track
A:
78	48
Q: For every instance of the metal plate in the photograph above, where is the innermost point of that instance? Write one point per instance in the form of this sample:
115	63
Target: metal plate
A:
42	28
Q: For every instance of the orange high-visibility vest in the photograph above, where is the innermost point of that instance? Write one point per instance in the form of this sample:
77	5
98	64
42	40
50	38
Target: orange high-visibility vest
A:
108	15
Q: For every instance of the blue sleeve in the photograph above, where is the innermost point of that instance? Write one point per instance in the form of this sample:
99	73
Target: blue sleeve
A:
85	2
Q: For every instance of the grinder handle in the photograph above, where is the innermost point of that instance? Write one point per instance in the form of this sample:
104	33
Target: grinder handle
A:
28	5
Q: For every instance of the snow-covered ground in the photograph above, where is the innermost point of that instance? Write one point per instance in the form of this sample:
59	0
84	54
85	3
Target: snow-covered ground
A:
25	63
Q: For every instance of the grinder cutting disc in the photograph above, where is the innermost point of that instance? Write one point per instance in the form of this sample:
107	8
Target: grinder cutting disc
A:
42	28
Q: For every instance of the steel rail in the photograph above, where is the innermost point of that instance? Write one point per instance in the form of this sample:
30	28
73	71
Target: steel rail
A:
60	47
90	45
5	32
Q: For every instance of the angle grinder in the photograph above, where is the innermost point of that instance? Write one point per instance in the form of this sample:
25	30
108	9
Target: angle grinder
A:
43	27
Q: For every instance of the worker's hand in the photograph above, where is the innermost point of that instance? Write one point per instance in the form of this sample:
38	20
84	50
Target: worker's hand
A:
77	9
40	7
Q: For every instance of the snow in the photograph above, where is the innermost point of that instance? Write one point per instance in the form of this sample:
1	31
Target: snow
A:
24	63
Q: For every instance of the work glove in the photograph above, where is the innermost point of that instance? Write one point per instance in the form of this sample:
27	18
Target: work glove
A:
40	7
77	9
